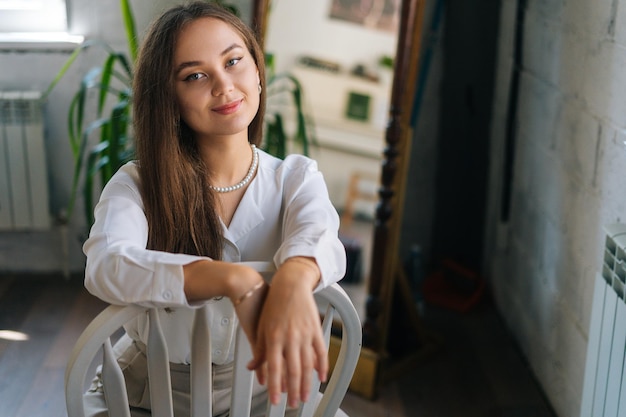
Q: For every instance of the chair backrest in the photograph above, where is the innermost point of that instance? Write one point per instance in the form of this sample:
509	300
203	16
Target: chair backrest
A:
96	338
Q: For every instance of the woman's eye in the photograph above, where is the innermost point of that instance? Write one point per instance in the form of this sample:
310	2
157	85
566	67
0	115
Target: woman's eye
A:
194	76
232	62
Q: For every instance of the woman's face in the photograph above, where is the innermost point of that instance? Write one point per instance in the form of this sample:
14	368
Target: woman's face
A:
216	79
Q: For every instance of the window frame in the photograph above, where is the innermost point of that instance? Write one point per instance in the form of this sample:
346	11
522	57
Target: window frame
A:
33	16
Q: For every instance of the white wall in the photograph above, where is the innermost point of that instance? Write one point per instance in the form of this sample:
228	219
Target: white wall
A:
569	180
302	27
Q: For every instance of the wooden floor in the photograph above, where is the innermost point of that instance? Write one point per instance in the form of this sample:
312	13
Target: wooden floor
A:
50	313
477	372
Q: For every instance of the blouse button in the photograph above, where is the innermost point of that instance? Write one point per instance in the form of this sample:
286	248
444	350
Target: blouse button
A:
167	294
218	352
225	321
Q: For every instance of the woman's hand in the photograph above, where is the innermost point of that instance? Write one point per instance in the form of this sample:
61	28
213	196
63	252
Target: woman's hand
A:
289	341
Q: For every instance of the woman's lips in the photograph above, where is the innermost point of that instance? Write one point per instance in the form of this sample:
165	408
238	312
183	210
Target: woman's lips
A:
228	108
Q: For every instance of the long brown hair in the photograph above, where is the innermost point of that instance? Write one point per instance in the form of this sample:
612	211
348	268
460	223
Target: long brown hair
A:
179	205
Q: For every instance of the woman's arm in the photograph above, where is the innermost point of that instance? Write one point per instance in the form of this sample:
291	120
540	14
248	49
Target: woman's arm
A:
290	342
205	279
119	269
242	284
310	224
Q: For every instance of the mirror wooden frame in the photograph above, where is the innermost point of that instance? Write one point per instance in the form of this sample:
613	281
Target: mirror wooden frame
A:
387	281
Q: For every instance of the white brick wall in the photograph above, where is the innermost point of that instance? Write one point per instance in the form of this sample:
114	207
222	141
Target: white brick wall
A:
569	180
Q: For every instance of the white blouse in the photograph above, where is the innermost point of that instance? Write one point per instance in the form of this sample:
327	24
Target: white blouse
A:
284	212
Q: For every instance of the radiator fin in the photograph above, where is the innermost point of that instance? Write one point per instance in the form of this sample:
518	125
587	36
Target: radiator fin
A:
604	390
24	201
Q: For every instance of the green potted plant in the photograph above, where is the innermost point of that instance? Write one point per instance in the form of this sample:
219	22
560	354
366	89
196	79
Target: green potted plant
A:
112	124
111	127
285	98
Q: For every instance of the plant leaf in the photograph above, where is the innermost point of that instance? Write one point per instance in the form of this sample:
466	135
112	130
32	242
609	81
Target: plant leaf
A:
129	26
95	164
66	66
79	157
119	125
105	81
126	64
77	109
73	129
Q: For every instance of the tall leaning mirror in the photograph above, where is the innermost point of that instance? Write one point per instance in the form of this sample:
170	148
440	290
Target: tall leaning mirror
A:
357	62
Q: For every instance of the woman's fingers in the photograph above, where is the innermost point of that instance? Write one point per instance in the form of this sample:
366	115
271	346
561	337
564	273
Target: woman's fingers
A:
258	364
275	374
307	371
321	357
293	375
290	368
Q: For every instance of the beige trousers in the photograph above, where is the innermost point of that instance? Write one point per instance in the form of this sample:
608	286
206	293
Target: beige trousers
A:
132	360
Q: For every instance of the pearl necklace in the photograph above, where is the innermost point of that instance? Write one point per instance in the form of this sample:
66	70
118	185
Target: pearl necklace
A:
247	178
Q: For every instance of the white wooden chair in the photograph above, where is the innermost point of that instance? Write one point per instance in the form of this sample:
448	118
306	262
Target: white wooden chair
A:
96	338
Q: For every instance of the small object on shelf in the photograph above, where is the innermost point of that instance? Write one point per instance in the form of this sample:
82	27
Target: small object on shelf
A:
386	61
320	64
358	107
361	71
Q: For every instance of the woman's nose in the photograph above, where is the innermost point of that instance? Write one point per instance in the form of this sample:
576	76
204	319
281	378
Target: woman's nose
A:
222	84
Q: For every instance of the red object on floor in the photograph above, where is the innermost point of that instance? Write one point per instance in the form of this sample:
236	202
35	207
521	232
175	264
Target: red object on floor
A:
453	286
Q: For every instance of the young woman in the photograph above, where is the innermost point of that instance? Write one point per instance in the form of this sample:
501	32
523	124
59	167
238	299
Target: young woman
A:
172	228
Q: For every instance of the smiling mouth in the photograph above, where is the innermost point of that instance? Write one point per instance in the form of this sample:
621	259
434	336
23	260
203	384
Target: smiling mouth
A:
228	108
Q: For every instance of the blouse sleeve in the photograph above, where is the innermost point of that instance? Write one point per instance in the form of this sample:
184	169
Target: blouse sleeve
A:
311	222
119	269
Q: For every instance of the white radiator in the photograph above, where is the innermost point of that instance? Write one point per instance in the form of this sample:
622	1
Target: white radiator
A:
604	389
23	173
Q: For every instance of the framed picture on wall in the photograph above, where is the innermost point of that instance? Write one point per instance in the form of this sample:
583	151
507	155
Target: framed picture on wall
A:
358	106
375	14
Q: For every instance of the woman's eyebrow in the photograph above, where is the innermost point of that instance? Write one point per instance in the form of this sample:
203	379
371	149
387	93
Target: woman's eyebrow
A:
188	64
230	48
